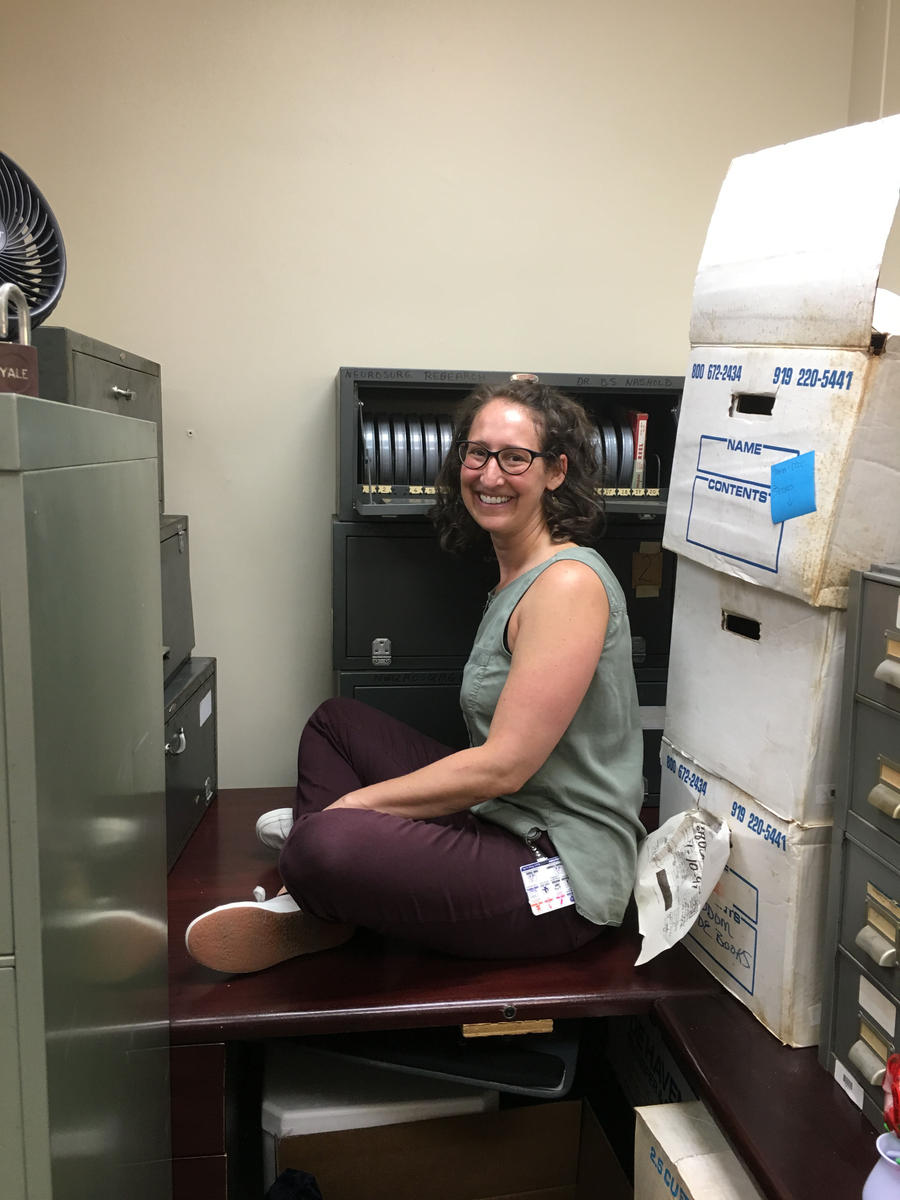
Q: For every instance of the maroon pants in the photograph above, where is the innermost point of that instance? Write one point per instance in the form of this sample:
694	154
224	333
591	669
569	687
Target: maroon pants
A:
452	883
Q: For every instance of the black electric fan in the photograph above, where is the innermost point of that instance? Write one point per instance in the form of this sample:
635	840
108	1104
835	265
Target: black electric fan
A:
32	254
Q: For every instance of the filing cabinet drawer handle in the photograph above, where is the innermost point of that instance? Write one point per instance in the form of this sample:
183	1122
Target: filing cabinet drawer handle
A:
121	393
886	799
176	745
867	1062
879	949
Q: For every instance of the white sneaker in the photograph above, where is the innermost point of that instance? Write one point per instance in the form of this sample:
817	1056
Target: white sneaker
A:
273	827
247	936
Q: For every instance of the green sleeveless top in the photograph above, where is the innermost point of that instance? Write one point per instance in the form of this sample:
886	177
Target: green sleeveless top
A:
588	793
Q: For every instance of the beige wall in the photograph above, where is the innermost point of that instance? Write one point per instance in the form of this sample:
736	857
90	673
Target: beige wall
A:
255	194
875	90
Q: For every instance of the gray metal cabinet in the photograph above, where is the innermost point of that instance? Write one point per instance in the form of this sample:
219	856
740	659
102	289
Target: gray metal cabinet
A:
84	1100
76	369
861	1011
177	608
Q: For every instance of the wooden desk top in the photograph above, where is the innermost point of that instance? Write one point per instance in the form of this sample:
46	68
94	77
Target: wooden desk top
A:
789	1121
794	1128
370	984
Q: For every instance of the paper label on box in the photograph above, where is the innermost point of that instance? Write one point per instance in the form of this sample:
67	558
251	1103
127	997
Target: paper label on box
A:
206	708
794	487
677	868
727	927
726	933
718	507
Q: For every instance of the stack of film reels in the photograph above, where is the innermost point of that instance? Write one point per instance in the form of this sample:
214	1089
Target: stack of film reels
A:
401	454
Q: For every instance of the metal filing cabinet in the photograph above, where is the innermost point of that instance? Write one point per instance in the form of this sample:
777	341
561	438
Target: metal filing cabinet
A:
75	369
84	1094
861	1017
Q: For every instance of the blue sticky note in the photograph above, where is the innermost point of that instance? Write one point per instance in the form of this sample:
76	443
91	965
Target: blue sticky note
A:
793	487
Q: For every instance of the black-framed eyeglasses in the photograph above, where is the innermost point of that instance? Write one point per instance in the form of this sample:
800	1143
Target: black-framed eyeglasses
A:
512	460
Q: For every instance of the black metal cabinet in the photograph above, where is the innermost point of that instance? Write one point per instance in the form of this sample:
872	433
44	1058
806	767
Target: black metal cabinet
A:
177	607
191	751
394	426
405	613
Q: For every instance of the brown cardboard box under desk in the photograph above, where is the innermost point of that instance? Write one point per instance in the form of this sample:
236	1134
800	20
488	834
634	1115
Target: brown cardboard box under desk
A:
555	1151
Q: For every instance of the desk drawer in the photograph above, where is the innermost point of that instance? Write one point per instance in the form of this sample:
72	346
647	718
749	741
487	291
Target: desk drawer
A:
875	773
198	1101
870	918
879	648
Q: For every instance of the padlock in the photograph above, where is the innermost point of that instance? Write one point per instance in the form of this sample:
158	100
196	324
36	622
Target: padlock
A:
18	360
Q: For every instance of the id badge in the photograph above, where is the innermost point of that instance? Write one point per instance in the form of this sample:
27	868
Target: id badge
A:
546	885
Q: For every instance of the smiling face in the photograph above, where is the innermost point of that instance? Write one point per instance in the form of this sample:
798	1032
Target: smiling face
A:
507	506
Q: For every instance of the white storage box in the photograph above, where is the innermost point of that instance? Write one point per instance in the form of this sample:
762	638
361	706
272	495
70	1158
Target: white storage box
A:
680	1153
306	1092
760	933
784	365
754	690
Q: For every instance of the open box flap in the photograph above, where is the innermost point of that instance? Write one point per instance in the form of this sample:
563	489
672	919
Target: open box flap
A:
795	243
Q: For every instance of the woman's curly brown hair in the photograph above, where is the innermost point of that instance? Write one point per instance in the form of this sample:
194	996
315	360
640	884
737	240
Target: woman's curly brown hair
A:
574	511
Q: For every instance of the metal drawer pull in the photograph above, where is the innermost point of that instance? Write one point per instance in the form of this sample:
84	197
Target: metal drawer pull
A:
879	949
177	745
885	795
888	670
121	393
867	1062
885	799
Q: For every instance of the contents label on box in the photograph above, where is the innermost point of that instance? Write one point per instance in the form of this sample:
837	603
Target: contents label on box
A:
728	934
731	498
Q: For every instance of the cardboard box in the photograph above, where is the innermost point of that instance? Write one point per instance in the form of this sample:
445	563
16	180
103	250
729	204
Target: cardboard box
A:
754	690
748	410
681	1154
785	365
306	1092
538	1152
643	1064
760	933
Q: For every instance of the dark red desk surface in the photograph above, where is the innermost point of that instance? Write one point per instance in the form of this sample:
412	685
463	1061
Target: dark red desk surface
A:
369	984
794	1128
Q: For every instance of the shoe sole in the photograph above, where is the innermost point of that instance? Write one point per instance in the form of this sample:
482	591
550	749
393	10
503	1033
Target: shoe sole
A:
241	938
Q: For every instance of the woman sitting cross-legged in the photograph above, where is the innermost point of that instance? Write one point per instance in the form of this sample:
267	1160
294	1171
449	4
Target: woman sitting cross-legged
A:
523	844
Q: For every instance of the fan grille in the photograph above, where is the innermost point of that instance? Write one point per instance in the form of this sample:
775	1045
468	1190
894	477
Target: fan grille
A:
32	254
